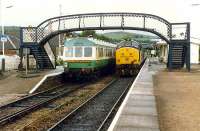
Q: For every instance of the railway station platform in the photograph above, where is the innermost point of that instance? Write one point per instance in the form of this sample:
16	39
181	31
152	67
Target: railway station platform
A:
13	87
160	99
138	111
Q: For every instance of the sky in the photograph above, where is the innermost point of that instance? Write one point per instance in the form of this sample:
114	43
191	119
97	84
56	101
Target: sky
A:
33	12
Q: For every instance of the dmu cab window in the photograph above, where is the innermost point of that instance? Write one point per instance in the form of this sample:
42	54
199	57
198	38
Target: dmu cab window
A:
87	52
78	51
69	52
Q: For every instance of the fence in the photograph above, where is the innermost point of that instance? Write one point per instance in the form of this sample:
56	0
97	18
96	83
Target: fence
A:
11	62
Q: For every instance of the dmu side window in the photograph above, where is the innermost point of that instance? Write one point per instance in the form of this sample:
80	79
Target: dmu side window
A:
78	51
69	52
97	52
101	52
87	52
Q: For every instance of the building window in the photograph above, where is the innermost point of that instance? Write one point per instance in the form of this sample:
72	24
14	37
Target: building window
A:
69	52
78	51
87	52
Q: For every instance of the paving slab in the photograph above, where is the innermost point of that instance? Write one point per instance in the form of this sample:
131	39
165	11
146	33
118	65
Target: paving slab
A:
143	110
124	128
147	103
146	121
143	91
141	97
144	85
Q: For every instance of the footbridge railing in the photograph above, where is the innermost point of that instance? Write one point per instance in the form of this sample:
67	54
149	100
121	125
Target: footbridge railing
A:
101	21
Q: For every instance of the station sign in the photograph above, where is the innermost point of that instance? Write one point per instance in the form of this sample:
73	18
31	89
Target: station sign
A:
4	38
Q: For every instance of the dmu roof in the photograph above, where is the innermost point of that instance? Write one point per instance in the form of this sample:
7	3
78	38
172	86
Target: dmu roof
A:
84	41
79	42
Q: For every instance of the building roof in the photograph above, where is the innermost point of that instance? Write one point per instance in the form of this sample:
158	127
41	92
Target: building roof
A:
195	40
79	42
13	43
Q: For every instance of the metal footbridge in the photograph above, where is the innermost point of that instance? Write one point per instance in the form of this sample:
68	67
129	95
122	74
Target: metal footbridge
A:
37	39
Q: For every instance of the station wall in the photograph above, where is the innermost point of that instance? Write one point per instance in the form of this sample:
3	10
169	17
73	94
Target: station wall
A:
194	53
11	62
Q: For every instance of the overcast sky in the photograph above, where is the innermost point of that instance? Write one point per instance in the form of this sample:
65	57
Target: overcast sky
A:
33	12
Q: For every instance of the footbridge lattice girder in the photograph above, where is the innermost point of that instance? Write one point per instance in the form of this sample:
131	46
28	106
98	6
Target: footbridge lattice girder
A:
107	21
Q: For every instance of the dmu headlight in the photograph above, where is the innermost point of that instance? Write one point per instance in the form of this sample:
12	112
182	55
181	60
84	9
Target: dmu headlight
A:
65	64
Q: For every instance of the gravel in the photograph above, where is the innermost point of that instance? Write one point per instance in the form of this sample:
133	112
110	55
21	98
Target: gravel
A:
178	99
45	117
91	115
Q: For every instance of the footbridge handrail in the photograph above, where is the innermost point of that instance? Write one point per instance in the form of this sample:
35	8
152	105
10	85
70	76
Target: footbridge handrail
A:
100	21
106	15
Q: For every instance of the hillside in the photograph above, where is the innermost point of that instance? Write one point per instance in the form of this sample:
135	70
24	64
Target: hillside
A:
11	30
138	37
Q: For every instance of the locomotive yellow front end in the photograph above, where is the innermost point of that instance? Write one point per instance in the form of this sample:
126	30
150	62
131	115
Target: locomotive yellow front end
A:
128	60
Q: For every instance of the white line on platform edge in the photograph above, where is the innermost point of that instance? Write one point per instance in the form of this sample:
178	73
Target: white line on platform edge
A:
43	79
114	122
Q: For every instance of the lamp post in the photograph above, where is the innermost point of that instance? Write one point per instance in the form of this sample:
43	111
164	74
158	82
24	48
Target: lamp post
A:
59	37
2	25
3	38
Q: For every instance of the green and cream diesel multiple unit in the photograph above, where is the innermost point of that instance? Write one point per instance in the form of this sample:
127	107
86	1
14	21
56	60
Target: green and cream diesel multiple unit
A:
84	56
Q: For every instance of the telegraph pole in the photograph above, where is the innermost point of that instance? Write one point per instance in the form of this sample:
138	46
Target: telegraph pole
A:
3	38
59	37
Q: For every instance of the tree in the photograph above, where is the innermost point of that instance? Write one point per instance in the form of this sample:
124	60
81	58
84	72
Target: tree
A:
127	38
92	33
87	33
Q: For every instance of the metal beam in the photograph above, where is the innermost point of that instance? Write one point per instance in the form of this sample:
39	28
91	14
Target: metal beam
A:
188	47
144	21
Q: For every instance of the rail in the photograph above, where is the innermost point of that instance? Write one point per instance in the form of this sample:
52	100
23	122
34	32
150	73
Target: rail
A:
20	107
93	111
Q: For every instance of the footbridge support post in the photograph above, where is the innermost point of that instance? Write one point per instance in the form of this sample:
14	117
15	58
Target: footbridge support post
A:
179	46
188	48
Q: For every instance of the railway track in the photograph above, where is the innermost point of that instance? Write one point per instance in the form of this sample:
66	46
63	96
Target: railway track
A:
19	108
93	114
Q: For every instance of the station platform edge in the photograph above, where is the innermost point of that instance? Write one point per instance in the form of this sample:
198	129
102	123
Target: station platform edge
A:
138	110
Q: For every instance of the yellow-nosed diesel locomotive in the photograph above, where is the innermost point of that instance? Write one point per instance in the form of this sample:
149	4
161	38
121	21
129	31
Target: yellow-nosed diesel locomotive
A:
128	58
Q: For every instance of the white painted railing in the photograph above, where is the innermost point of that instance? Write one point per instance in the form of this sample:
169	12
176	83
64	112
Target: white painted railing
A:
50	53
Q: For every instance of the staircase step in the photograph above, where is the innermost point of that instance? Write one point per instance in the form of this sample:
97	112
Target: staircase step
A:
41	57
178	55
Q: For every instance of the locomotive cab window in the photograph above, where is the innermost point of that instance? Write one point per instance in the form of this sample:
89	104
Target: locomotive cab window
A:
78	51
87	52
69	52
